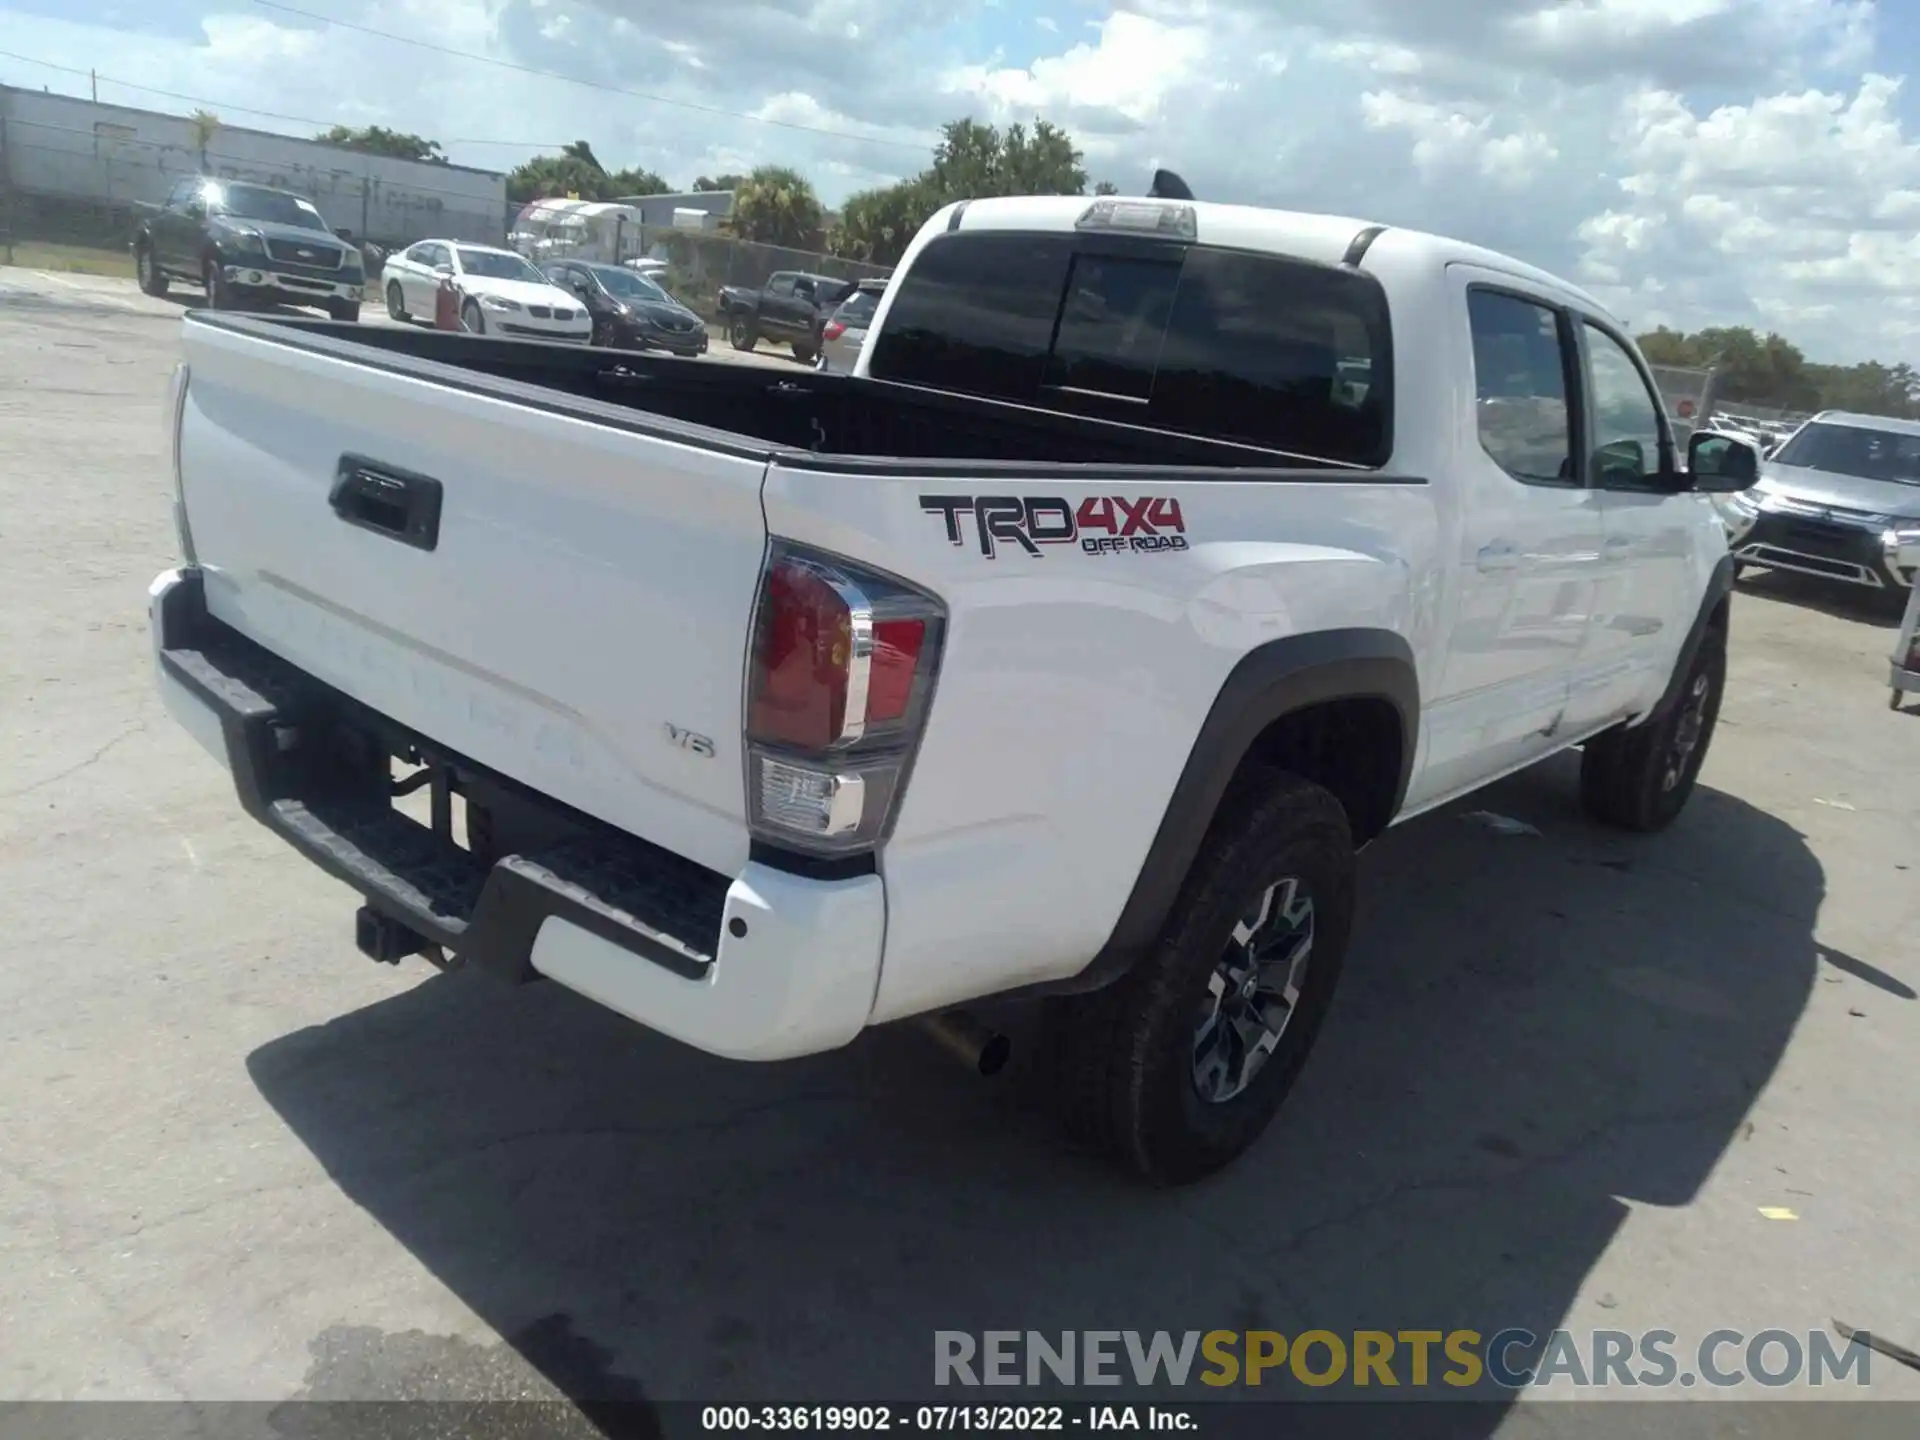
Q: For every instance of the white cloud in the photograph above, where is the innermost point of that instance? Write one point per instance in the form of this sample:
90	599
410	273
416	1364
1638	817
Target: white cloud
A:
1694	161
1447	138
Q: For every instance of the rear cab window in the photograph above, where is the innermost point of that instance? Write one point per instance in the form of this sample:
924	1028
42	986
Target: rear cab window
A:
1262	349
856	311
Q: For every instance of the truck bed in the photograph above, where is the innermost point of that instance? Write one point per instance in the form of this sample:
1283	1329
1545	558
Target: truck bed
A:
760	411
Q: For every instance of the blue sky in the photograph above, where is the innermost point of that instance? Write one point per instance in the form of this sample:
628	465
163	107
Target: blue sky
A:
1692	161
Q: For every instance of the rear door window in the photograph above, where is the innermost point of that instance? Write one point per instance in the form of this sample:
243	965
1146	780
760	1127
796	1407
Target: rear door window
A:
1225	344
857	309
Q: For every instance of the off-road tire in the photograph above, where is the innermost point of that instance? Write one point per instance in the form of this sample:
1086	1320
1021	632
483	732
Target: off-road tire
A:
1123	1055
152	280
397	302
803	352
740	332
1623	772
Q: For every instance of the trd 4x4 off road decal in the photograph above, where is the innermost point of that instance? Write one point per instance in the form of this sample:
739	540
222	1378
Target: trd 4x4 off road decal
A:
1102	524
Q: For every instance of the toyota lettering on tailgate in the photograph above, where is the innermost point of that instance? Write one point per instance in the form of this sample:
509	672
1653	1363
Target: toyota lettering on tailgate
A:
1100	524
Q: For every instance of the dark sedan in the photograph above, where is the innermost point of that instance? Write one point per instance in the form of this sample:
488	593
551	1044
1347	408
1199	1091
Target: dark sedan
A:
630	312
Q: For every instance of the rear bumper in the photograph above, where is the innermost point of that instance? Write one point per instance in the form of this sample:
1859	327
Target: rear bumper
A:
762	965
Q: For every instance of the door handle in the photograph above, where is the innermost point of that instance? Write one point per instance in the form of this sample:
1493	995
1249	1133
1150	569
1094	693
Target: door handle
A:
395	503
1499	555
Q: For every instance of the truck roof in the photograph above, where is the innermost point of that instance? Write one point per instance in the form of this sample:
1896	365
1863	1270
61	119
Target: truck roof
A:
1304	234
1891	424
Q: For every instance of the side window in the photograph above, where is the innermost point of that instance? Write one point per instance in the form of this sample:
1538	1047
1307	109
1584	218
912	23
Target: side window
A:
780	285
1520	387
1111	325
803	288
974	313
1626	417
181	193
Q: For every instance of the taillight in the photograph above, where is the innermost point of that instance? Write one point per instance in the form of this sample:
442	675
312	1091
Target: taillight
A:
834	330
838	683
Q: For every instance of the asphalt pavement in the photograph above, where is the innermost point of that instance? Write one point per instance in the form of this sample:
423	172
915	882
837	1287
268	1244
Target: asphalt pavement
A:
1573	1079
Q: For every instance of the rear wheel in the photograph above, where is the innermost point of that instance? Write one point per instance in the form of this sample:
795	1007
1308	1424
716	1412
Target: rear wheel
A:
803	352
1177	1068
1640	779
151	280
740	332
396	302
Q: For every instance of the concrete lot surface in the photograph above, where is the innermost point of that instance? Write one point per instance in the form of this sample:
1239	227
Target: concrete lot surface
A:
1569	1077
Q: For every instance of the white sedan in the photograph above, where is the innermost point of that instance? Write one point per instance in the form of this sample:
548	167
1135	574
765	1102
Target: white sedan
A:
497	291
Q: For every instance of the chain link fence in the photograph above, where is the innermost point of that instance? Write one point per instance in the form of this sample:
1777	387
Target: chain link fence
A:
698	263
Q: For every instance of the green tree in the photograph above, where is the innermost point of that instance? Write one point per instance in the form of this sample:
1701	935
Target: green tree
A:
378	140
719	182
776	205
875	225
1771	370
636	181
974	160
1106	187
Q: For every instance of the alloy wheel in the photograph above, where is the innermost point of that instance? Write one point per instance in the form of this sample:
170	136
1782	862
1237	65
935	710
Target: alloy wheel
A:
1687	729
1254	991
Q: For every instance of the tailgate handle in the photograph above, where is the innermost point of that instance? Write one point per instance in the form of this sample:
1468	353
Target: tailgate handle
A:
396	503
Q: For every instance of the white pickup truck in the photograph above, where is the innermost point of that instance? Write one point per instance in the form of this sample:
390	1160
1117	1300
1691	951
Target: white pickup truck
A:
1159	556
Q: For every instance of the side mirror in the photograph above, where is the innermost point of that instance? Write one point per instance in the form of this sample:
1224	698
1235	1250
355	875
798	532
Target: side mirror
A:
1721	464
446	270
346	235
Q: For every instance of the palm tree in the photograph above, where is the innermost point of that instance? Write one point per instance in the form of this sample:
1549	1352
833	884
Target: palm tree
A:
205	125
776	206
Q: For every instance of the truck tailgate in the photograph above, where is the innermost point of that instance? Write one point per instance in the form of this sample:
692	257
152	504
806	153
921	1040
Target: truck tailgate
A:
574	615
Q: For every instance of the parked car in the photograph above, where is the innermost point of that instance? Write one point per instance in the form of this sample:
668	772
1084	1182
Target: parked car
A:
248	245
846	331
497	292
1072	647
1838	500
628	310
791	307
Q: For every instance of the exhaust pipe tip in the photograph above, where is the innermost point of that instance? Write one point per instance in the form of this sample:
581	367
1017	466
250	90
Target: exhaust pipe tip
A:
983	1050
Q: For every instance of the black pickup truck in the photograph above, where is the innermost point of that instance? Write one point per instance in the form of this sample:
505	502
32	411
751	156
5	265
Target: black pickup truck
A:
247	244
793	306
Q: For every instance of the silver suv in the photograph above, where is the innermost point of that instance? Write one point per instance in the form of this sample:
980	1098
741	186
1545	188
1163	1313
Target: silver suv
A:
1837	500
846	330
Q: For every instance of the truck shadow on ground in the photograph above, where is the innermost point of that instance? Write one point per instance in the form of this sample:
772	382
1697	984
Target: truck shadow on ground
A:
1533	1030
1881	609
